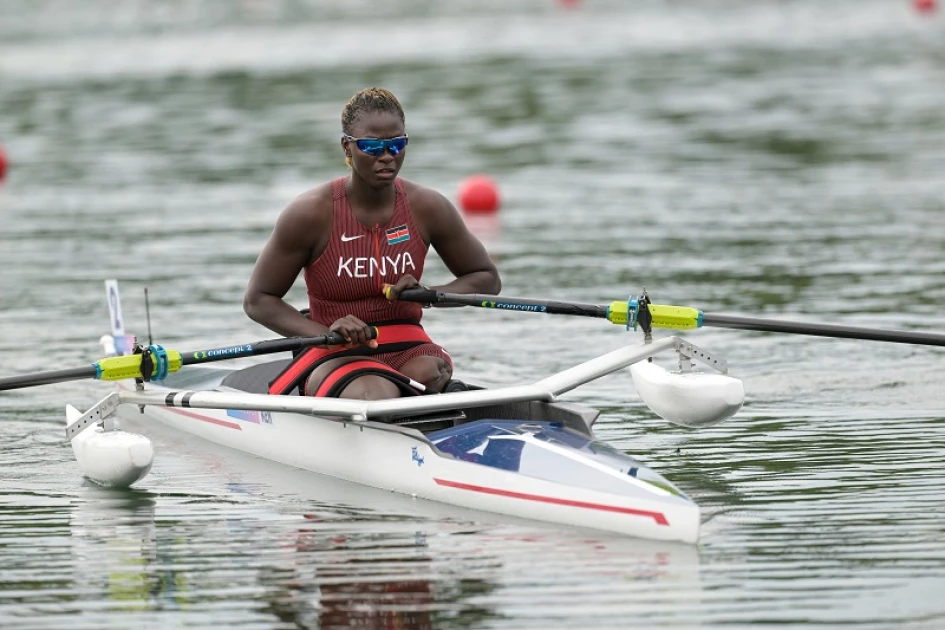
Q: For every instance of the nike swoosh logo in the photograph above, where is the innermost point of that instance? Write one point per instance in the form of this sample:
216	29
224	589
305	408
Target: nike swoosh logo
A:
345	239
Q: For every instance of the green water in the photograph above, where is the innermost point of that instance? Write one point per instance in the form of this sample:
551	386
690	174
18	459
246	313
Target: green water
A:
781	159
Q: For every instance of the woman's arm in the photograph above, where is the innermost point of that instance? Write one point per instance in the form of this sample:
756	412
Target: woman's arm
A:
459	249
299	231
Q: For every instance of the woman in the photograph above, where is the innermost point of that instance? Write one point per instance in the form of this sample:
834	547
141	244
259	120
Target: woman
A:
351	237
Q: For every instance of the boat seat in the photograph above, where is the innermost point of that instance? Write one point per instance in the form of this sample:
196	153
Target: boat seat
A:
434	421
256	378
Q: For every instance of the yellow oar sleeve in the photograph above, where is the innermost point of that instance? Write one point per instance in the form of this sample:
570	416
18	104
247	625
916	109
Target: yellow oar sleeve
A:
678	317
617	312
129	366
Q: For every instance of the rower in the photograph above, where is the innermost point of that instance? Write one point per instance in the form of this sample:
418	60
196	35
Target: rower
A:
350	237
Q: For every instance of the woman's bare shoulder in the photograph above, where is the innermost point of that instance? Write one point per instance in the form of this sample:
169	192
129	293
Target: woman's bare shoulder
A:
311	208
425	199
313	200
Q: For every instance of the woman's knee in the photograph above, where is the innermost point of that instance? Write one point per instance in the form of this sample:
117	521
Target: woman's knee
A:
366	387
320	373
433	372
370	388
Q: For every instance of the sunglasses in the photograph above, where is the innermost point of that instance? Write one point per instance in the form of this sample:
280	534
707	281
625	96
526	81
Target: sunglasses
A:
377	146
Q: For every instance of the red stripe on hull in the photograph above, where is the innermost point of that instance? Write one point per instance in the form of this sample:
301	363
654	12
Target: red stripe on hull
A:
197	416
659	517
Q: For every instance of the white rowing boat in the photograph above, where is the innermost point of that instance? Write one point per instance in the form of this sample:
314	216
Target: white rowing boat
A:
516	450
512	450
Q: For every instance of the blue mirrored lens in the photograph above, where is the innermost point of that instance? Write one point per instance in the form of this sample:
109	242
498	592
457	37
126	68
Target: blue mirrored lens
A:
376	146
396	145
371	146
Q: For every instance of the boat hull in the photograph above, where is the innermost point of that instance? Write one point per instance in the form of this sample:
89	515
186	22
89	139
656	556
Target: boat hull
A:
552	481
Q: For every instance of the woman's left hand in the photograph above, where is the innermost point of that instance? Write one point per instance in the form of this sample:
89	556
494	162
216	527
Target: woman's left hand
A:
392	291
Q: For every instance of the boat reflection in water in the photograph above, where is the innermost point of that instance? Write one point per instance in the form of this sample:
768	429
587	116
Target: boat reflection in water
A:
118	551
265	542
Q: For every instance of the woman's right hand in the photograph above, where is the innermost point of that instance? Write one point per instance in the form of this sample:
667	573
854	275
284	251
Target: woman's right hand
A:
354	331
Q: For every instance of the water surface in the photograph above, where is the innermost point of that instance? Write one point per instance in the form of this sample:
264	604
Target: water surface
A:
767	158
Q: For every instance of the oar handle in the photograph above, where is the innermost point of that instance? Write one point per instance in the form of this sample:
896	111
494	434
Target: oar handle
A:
421	295
269	346
481	300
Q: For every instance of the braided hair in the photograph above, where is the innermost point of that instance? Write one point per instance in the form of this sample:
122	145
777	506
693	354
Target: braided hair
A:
373	99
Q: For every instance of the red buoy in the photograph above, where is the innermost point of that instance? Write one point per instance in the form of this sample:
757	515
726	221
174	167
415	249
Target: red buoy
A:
479	193
925	6
3	164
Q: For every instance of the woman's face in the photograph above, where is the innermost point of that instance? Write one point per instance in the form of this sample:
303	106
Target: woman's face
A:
376	170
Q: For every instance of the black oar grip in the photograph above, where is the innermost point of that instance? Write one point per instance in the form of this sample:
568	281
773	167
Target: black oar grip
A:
335	338
270	346
419	294
332	339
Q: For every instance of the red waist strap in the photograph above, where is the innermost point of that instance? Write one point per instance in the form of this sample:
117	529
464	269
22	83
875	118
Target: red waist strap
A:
391	338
